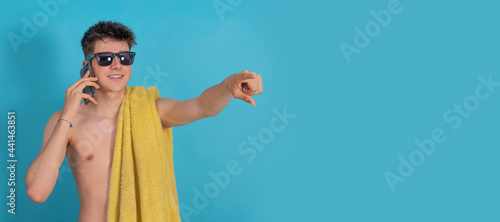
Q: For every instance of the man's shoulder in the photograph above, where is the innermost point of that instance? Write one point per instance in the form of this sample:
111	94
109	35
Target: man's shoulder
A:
52	122
140	88
54	117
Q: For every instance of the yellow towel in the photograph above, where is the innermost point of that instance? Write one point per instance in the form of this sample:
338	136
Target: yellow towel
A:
142	186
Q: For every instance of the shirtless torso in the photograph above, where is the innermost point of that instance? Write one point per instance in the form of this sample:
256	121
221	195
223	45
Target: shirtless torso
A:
90	154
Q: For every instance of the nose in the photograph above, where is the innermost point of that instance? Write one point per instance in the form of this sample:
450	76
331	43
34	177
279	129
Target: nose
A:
116	63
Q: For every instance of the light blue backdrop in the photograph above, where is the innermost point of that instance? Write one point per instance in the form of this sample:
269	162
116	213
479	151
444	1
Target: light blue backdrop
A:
361	81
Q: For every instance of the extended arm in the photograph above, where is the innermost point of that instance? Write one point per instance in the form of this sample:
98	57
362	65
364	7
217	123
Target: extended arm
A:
211	102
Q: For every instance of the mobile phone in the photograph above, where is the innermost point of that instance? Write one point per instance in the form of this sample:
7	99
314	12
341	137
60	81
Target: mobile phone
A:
88	89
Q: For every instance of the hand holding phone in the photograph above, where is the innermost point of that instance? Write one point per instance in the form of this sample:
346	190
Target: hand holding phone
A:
88	89
74	96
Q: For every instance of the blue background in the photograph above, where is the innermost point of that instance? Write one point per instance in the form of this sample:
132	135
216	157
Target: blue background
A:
352	119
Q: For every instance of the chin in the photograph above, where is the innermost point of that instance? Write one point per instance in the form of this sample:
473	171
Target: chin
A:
112	88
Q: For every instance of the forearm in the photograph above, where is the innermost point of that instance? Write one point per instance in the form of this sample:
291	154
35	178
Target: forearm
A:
42	174
214	99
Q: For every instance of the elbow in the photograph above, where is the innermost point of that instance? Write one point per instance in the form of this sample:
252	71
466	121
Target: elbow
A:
211	114
208	113
35	195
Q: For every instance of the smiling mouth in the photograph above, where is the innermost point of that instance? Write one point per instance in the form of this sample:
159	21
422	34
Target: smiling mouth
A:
115	76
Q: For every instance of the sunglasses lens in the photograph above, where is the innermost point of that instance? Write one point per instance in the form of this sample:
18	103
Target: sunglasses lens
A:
104	59
126	58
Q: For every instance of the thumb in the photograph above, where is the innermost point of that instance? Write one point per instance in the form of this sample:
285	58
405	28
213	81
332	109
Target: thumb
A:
244	97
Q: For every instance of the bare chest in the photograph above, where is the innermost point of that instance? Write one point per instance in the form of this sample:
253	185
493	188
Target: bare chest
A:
92	143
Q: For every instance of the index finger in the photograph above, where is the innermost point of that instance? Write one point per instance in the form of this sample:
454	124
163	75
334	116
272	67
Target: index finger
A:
87	77
83	79
249	75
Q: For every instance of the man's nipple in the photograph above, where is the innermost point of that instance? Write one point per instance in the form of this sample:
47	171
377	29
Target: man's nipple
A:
90	157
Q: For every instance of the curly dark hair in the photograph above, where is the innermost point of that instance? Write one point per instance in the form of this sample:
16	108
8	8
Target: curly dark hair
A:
106	29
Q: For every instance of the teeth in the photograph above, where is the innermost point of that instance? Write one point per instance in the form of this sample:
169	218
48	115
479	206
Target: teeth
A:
118	76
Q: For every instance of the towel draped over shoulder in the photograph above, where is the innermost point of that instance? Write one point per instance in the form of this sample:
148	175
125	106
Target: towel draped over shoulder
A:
142	185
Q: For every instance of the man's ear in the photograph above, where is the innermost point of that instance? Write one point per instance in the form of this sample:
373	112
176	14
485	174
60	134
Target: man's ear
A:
84	62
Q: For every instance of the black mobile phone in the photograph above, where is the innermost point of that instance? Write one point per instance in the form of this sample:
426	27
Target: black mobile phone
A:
88	89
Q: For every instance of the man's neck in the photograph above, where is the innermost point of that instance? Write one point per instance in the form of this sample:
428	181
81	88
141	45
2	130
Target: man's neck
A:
108	104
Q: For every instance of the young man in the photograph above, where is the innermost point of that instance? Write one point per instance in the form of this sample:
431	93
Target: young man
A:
67	130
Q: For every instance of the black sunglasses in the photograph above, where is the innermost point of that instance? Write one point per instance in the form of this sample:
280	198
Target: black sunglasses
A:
106	58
